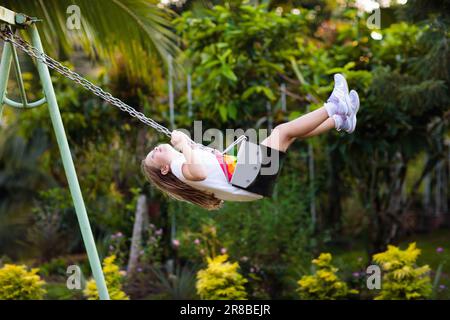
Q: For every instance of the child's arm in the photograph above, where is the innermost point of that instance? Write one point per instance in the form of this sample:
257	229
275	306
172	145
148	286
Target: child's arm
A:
192	169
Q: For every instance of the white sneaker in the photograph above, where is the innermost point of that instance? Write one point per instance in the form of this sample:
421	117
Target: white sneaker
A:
339	97
350	123
339	122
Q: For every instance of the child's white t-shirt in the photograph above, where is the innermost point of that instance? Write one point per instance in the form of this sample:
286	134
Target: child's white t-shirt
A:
215	182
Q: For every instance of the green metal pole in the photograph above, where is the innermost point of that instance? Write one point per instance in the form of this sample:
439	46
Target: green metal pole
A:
19	77
69	168
5	67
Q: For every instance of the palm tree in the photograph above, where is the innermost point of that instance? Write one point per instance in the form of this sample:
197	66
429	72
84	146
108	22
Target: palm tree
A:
139	30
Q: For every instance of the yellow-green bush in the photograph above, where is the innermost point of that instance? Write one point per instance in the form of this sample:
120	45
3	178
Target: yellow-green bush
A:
17	283
113	280
324	284
402	279
221	280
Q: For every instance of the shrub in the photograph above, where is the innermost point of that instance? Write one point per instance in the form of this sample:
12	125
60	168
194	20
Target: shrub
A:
220	280
56	266
179	285
113	279
17	283
324	284
402	279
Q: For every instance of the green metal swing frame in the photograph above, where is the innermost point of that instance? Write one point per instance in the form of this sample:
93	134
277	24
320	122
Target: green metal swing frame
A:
9	55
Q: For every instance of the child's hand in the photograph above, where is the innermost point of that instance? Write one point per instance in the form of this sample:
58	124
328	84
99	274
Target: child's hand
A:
179	140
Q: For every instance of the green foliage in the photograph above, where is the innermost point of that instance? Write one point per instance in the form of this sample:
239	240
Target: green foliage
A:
179	285
204	243
146	36
56	266
51	233
59	291
235	54
221	280
324	284
118	247
152	251
150	279
402	279
20	177
404	99
18	283
272	237
30	161
113	278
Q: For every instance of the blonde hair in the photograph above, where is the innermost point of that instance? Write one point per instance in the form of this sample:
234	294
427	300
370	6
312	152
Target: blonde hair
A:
177	189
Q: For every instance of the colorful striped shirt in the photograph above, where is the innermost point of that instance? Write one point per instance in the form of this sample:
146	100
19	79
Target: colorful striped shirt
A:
227	163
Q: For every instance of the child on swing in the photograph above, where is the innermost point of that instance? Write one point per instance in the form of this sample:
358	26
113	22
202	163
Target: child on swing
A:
200	177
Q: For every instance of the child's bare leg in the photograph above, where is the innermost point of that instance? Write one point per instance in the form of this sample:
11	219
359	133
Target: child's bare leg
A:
342	107
284	134
327	125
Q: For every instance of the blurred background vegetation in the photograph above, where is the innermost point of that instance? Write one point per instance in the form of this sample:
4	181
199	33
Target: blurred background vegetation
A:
234	64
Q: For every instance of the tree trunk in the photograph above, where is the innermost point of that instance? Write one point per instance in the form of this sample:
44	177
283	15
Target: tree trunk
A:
334	193
389	207
426	213
312	185
141	209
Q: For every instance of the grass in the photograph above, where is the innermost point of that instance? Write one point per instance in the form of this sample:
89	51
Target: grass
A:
59	291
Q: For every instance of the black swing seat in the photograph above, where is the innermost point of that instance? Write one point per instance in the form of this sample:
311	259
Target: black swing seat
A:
257	168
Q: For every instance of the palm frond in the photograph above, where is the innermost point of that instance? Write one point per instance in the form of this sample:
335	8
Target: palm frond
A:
138	30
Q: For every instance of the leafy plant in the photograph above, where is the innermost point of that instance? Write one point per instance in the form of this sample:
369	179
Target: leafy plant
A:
235	53
179	285
324	284
113	278
118	247
18	283
51	235
221	281
402	279
202	244
56	266
152	250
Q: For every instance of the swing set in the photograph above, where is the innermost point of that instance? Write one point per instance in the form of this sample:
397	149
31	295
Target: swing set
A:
10	22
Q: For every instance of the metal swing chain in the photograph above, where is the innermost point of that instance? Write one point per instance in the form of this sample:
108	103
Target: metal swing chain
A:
18	42
7	35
